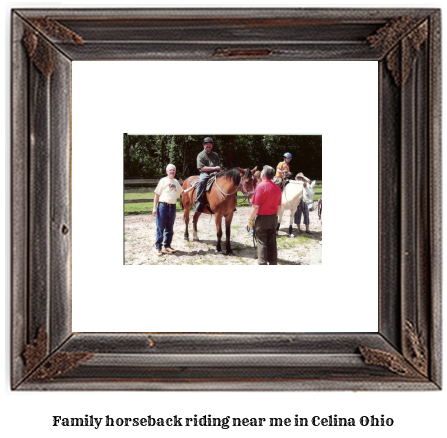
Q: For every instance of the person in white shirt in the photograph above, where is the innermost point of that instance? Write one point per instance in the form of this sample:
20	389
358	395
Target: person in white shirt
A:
165	201
302	209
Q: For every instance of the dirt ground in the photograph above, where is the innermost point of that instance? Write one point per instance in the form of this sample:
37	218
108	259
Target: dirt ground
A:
139	245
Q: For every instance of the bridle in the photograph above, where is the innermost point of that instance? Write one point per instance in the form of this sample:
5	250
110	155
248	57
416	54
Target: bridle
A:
225	194
247	194
240	186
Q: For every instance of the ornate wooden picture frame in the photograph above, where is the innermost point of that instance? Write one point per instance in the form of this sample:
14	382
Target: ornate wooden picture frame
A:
405	353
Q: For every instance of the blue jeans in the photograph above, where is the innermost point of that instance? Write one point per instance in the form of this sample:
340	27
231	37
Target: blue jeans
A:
304	210
165	225
201	185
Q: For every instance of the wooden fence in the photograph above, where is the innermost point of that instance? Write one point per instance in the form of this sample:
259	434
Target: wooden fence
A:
148	183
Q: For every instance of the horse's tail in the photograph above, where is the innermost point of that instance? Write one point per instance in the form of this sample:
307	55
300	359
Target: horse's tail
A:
181	202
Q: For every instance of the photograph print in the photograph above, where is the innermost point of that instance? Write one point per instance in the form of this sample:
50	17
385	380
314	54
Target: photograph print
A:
211	199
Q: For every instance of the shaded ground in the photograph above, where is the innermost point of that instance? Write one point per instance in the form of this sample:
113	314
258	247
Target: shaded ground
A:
139	245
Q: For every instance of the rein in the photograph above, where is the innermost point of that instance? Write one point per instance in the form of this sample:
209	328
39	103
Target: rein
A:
247	193
226	194
241	185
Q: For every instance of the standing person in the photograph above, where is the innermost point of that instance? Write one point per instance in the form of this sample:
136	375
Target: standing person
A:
301	177
302	208
164	209
266	207
282	169
207	162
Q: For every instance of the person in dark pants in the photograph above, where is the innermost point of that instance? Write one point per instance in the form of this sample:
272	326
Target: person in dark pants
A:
164	209
207	162
266	206
302	209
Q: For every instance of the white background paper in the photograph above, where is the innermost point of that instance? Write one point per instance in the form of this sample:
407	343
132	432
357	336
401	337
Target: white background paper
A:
336	99
414	413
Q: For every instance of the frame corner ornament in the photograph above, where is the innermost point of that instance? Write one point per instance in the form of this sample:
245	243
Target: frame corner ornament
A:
41	366
400	56
39	49
36	351
416	348
392	361
59	364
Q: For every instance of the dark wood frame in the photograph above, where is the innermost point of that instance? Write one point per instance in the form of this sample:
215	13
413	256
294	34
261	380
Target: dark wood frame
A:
405	354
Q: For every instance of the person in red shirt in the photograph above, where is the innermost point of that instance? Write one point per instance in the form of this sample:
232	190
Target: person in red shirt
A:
266	206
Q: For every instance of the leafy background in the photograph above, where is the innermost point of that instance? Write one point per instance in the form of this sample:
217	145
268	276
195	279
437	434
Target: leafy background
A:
146	156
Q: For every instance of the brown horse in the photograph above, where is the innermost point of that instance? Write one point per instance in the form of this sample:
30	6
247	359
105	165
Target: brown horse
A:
221	199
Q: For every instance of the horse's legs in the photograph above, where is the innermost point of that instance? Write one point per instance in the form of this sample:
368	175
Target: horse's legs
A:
292	215
194	223
228	219
186	209
281	212
218	219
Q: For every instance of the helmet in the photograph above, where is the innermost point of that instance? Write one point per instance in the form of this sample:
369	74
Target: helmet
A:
208	140
287	155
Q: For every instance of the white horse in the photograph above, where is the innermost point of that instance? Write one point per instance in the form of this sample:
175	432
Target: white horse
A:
292	194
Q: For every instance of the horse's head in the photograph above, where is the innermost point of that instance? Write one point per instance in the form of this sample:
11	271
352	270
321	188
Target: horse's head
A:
248	181
308	194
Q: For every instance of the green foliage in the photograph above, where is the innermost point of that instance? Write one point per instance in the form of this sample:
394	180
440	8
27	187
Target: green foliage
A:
146	156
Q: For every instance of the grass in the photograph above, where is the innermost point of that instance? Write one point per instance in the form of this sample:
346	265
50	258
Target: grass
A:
139	195
318	190
238	248
142	207
285	242
203	261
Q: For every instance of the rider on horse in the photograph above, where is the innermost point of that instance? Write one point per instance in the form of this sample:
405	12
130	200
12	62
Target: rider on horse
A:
283	170
207	163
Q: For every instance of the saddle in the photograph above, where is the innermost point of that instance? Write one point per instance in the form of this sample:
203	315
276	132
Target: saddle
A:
282	183
209	183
